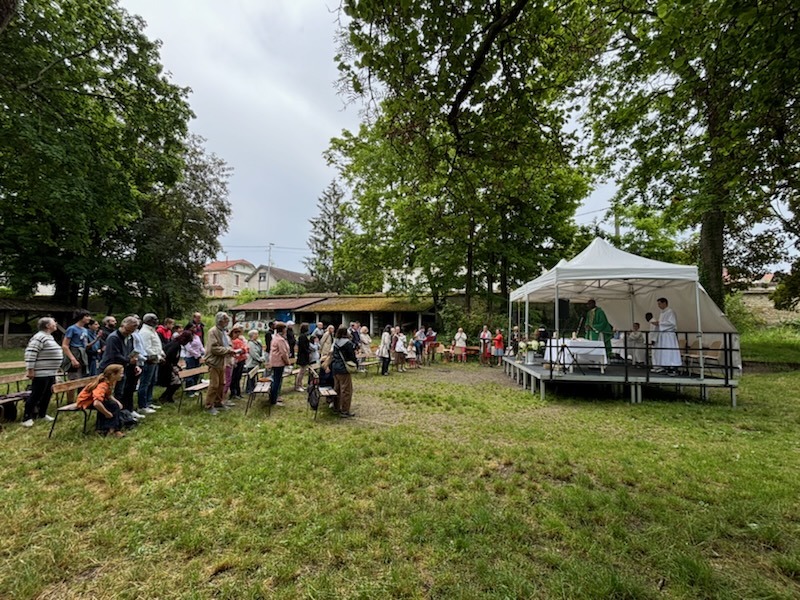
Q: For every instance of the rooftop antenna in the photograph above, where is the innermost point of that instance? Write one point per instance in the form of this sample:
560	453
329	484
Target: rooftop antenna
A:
269	264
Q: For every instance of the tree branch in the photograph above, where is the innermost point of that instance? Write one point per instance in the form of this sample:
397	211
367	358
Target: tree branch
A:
494	30
60	60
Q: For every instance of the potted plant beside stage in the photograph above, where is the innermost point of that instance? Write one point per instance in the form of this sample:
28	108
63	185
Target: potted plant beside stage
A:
533	346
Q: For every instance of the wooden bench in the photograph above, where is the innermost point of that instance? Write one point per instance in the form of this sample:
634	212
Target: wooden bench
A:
370	362
262	387
59	389
445	352
12	366
12	393
197	388
326	394
264	384
473	351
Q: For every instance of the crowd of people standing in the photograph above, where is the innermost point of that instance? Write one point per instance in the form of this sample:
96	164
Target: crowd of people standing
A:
134	357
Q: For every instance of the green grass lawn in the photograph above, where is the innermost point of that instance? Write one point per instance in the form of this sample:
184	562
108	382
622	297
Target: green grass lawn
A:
450	483
772	345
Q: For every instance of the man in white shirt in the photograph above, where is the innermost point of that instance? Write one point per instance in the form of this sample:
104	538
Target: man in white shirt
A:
153	354
667	354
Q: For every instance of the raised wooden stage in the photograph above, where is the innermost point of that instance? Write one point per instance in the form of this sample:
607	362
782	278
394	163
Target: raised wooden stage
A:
537	376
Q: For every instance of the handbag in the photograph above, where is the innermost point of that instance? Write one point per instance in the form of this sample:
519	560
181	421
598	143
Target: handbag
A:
351	366
327	360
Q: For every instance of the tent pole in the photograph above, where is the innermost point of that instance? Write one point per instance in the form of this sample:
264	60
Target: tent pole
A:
631	296
699	328
557	321
527	318
510	314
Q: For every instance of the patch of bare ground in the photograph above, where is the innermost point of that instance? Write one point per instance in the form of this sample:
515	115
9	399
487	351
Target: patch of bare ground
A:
373	404
763	308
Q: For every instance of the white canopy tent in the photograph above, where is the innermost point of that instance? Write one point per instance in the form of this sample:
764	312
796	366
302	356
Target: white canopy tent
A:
627	286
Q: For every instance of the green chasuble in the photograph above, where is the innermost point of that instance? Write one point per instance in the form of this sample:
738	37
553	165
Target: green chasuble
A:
597	323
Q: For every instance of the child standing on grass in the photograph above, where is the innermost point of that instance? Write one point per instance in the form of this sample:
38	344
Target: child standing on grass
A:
98	394
411	355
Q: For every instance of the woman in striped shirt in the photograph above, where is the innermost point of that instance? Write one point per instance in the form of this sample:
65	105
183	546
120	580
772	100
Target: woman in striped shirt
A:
43	357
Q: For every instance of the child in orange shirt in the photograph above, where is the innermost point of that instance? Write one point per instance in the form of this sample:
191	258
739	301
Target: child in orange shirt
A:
99	395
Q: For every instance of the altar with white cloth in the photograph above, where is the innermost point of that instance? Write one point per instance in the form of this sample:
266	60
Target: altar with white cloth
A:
566	352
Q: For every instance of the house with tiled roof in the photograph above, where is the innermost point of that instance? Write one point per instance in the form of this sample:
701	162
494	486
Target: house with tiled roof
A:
373	310
225	278
264	277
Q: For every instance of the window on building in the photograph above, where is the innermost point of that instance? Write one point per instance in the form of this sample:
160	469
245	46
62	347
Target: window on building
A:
215	279
235	280
262	277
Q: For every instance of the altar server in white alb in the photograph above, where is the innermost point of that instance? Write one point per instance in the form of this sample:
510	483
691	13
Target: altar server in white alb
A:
667	354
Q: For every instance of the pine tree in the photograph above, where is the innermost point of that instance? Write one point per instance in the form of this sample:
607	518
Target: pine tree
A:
327	232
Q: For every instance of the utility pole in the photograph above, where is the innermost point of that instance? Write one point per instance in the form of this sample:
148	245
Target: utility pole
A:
269	264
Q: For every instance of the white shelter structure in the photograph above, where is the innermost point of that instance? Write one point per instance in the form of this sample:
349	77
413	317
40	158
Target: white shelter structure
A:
627	286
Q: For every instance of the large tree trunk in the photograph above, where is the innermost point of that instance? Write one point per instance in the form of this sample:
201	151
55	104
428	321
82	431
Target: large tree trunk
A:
712	223
504	260
7	10
64	286
712	230
470	267
490	279
85	295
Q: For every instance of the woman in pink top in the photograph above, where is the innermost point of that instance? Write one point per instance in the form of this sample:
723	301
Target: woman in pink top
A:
278	360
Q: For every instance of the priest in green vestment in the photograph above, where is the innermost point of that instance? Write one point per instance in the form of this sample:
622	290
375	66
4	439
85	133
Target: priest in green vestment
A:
597	323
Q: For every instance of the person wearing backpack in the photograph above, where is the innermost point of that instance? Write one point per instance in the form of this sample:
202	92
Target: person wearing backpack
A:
343	352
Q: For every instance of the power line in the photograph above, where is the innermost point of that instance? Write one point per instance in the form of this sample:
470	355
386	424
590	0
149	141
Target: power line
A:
589	212
265	246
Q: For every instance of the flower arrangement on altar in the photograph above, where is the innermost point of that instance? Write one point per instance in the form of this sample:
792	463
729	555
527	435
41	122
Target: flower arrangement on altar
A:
523	347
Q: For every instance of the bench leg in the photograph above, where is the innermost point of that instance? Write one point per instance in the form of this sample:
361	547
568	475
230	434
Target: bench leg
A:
53	426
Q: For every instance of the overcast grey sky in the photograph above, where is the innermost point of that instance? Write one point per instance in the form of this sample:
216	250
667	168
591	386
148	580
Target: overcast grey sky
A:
262	78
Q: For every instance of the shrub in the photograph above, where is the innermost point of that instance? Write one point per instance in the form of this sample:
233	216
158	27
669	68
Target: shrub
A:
453	315
740	315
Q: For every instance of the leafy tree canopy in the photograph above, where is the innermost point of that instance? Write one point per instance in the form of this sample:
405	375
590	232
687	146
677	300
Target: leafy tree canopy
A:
694	109
94	147
463	168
